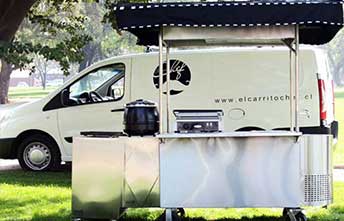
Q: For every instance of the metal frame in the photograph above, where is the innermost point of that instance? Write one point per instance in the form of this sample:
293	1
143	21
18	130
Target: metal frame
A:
292	44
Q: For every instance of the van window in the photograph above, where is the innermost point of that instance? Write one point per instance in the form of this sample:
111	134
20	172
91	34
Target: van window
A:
103	84
117	89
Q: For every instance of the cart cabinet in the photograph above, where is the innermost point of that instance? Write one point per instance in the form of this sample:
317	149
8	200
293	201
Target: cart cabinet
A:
265	171
215	171
112	173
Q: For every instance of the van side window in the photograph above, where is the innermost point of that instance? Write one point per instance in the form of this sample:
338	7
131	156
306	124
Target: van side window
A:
117	89
102	84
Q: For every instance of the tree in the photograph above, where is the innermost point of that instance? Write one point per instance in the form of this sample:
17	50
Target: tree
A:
59	20
106	42
336	58
58	25
12	13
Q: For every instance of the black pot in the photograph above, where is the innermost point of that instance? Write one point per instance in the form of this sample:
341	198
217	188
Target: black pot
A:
141	118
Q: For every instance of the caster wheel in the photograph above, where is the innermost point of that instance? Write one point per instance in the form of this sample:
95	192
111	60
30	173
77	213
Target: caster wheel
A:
176	215
296	213
300	217
181	212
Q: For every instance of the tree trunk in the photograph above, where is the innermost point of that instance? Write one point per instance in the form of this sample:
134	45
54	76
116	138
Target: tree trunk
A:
90	54
12	13
5	72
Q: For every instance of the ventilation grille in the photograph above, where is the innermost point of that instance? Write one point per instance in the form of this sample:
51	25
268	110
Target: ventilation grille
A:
318	188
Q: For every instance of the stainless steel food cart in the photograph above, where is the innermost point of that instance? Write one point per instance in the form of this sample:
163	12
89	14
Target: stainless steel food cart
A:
284	169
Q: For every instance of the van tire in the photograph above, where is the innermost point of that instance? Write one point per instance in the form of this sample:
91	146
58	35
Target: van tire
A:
39	152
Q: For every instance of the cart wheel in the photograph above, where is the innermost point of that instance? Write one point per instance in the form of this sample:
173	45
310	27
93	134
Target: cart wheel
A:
296	213
285	212
300	217
181	212
176	215
122	214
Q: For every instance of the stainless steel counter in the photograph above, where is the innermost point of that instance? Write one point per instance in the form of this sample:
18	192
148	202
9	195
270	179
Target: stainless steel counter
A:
212	170
270	133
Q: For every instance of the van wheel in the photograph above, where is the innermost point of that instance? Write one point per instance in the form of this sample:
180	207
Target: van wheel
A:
39	153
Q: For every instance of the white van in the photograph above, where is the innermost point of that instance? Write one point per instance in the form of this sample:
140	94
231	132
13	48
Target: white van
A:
40	133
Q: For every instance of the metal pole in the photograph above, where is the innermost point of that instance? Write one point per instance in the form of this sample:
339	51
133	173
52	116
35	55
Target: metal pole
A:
168	88
160	82
297	127
168	213
291	90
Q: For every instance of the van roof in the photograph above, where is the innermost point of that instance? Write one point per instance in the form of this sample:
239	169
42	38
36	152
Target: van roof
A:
315	49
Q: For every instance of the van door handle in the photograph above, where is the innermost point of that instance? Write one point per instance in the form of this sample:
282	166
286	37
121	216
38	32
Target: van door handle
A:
118	110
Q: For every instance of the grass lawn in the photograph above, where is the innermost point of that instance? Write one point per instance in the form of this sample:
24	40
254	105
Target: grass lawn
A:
339	112
28	92
47	197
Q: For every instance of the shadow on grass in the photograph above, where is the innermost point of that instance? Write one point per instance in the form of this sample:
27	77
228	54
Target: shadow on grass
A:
62	178
258	218
50	217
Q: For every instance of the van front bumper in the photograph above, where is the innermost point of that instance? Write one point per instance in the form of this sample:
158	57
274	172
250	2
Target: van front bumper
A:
6	148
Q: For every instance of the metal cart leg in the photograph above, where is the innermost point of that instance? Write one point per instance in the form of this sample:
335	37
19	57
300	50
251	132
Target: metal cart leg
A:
174	214
294	214
168	215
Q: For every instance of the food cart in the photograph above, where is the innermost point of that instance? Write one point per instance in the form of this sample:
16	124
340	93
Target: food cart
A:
195	168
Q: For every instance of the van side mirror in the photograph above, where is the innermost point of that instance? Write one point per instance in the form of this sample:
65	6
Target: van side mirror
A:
65	97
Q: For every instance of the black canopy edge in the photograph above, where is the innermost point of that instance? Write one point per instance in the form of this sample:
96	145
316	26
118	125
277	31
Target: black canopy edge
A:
134	6
232	25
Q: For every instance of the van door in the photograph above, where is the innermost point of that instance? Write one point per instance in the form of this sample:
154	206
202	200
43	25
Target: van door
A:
91	100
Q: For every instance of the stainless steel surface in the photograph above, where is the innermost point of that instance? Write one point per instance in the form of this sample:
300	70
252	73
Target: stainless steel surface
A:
230	172
317	169
200	170
168	215
220	172
161	90
188	36
37	156
198	121
291	91
110	173
296	83
97	177
141	187
243	134
168	88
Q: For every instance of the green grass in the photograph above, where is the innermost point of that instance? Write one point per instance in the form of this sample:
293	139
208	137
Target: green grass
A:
35	196
29	92
339	112
47	197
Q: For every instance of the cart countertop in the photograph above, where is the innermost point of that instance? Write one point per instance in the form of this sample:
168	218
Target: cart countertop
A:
232	134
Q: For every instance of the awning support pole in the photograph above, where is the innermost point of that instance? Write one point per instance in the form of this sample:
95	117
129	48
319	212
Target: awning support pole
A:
160	82
297	40
168	88
291	90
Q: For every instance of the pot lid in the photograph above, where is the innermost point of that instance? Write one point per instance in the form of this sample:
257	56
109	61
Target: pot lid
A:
141	103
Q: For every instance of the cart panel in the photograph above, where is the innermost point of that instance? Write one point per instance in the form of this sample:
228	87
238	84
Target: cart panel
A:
231	172
98	173
141	187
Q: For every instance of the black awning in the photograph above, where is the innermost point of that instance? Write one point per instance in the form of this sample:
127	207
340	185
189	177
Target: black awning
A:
319	21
